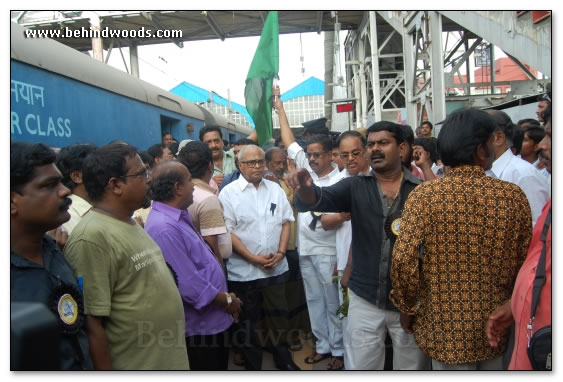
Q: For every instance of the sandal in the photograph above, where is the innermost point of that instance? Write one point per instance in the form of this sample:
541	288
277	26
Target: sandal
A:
237	359
336	363
296	346
316	357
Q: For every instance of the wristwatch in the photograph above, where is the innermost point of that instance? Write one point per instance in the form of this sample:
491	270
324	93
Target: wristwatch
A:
229	299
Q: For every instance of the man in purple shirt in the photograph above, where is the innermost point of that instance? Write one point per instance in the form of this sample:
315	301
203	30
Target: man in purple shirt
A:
208	308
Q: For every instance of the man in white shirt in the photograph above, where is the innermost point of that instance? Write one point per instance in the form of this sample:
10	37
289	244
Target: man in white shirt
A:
515	170
317	245
69	162
258	216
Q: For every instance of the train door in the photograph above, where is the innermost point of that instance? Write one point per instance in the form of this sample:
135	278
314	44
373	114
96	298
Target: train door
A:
171	125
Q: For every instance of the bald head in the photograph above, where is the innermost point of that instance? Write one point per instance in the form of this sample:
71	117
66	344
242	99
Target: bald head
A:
172	185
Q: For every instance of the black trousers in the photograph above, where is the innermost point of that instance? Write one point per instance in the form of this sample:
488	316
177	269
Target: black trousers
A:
209	352
262	320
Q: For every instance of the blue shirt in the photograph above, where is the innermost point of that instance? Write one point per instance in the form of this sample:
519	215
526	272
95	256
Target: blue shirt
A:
32	282
200	276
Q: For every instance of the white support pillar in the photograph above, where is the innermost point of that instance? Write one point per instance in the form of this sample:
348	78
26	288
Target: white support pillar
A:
134	60
363	87
97	44
437	68
377	106
408	54
357	96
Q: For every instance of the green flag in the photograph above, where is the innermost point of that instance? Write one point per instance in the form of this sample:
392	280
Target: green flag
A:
263	69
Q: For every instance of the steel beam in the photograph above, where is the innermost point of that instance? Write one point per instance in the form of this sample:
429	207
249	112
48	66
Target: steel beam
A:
375	66
437	68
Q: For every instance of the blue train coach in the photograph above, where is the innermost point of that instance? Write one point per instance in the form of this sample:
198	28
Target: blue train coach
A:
60	96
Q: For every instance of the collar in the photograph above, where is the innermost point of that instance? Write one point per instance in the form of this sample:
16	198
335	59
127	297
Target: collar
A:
205	186
172	212
243	183
335	171
500	164
467	171
80	205
230	154
48	247
407	175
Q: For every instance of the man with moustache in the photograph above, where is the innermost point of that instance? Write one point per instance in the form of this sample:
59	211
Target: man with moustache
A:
134	313
354	156
375	202
38	271
317	245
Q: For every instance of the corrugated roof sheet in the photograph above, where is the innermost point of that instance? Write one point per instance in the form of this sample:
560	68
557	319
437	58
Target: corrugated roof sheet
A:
311	86
194	93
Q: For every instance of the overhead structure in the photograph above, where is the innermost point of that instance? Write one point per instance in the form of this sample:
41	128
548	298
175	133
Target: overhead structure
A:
418	65
400	65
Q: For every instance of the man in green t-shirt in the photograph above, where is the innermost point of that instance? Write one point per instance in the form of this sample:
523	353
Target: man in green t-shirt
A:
135	316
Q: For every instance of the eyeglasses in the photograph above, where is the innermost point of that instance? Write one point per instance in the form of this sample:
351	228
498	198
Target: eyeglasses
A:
146	173
353	154
314	155
253	163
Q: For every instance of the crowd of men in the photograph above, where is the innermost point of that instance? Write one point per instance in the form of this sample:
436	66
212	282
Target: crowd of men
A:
171	259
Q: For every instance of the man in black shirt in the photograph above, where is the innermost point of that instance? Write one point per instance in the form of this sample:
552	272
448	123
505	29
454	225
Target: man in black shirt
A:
38	271
375	202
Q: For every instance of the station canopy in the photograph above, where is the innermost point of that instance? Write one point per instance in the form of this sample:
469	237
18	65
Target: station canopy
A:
195	25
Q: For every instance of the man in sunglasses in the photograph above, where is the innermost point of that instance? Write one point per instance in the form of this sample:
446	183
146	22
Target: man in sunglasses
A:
134	312
317	244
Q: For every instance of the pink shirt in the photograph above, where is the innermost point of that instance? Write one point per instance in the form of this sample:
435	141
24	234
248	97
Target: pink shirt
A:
522	295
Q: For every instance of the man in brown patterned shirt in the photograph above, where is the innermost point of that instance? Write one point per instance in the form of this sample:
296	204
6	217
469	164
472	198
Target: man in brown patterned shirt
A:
473	234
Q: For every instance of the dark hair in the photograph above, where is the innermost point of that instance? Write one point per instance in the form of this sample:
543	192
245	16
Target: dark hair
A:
517	139
395	129
208	129
196	156
528	122
109	161
24	157
162	185
461	133
427	123
536	134
270	152
547	113
173	147
350	133
165	134
504	124
70	159
324	140
156	150
429	145
245	141
147	158
408	134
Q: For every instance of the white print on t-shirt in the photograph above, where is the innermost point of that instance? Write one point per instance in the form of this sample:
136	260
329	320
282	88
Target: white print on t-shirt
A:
144	259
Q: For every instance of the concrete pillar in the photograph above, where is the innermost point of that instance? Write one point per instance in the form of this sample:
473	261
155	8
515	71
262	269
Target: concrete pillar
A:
134	60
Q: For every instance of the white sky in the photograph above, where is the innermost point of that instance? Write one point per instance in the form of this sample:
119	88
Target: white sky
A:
220	65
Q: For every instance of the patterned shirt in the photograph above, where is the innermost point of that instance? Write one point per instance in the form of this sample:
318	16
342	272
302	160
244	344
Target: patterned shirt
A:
474	232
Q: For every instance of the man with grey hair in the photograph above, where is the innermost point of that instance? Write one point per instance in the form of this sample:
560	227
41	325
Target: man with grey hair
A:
516	170
258	217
